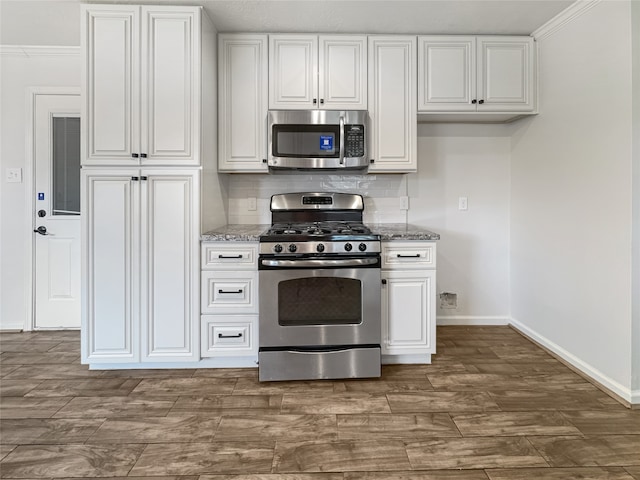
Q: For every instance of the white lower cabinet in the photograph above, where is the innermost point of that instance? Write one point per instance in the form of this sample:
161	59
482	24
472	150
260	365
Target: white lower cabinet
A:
229	299
140	231
408	302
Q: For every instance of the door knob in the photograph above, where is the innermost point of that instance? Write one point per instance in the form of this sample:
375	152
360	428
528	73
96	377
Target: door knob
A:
42	213
42	230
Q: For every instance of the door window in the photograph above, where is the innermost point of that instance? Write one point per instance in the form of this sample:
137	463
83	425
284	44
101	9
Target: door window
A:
320	301
65	171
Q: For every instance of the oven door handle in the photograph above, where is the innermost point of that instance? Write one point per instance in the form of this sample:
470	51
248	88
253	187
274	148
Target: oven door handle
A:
343	262
341	141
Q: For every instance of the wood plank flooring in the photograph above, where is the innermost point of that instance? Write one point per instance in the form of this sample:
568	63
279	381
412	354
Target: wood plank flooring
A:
492	406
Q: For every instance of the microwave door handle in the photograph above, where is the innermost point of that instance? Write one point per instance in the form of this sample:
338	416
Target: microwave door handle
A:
341	140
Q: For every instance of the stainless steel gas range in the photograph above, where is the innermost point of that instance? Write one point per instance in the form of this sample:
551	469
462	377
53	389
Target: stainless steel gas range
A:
319	276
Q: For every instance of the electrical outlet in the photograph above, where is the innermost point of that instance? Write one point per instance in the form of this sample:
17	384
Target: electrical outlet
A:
463	203
404	203
252	204
14	175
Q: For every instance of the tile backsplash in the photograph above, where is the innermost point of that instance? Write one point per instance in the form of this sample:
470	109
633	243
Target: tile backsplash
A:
382	194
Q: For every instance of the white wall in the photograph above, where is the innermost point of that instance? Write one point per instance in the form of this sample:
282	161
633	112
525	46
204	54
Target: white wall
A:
40	22
473	255
18	72
571	196
635	132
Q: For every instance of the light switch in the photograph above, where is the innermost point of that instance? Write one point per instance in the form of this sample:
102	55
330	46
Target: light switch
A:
14	175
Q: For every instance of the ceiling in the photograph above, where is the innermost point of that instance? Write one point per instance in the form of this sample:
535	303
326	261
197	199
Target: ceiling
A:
55	22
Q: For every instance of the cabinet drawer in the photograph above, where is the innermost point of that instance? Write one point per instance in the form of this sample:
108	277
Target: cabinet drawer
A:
229	292
229	335
229	256
408	255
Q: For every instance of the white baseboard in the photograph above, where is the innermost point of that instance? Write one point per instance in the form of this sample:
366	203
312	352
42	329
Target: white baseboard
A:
471	320
626	394
12	327
406	359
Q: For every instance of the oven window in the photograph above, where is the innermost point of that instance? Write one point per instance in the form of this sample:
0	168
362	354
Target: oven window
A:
306	141
320	301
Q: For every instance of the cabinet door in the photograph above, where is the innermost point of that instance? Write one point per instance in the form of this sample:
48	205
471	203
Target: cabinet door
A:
243	103
408	312
170	86
169	265
109	287
110	84
293	74
506	76
392	103
342	67
446	74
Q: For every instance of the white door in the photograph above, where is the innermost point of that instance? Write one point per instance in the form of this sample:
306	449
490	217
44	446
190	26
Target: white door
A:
57	211
293	72
342	66
505	74
447	74
169	280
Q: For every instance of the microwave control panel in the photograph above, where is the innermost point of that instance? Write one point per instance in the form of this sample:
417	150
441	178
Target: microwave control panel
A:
354	141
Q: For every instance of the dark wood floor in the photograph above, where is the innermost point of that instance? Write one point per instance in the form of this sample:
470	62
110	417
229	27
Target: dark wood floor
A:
491	406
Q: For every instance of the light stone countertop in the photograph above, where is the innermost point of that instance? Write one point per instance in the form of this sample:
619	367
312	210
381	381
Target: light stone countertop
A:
235	233
402	231
252	232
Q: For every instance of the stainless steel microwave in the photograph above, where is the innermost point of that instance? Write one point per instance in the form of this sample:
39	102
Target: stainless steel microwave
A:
318	140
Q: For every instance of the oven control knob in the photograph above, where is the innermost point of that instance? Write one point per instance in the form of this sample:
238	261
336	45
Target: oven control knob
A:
348	247
362	247
320	247
277	248
292	248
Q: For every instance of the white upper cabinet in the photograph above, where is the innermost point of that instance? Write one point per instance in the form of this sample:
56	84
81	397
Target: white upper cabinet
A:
392	103
311	71
506	74
243	102
476	74
141	85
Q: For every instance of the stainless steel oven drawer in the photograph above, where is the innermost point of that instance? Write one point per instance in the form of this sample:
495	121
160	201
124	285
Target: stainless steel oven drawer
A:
319	365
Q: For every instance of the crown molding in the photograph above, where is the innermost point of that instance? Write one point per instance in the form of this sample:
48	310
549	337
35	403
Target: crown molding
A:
568	15
38	50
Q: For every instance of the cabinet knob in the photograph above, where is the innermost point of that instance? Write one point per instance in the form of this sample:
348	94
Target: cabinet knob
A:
481	102
474	101
135	155
143	155
135	179
315	101
264	160
322	101
372	160
384	281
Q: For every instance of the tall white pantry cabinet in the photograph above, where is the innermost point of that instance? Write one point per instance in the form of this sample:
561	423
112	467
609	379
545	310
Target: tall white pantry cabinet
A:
148	113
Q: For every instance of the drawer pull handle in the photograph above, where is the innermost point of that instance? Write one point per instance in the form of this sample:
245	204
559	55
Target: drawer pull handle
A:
226	291
230	256
239	335
417	255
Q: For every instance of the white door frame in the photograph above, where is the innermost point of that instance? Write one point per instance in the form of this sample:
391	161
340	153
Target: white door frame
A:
29	179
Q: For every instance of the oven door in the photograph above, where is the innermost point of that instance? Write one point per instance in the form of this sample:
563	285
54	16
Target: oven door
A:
319	303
